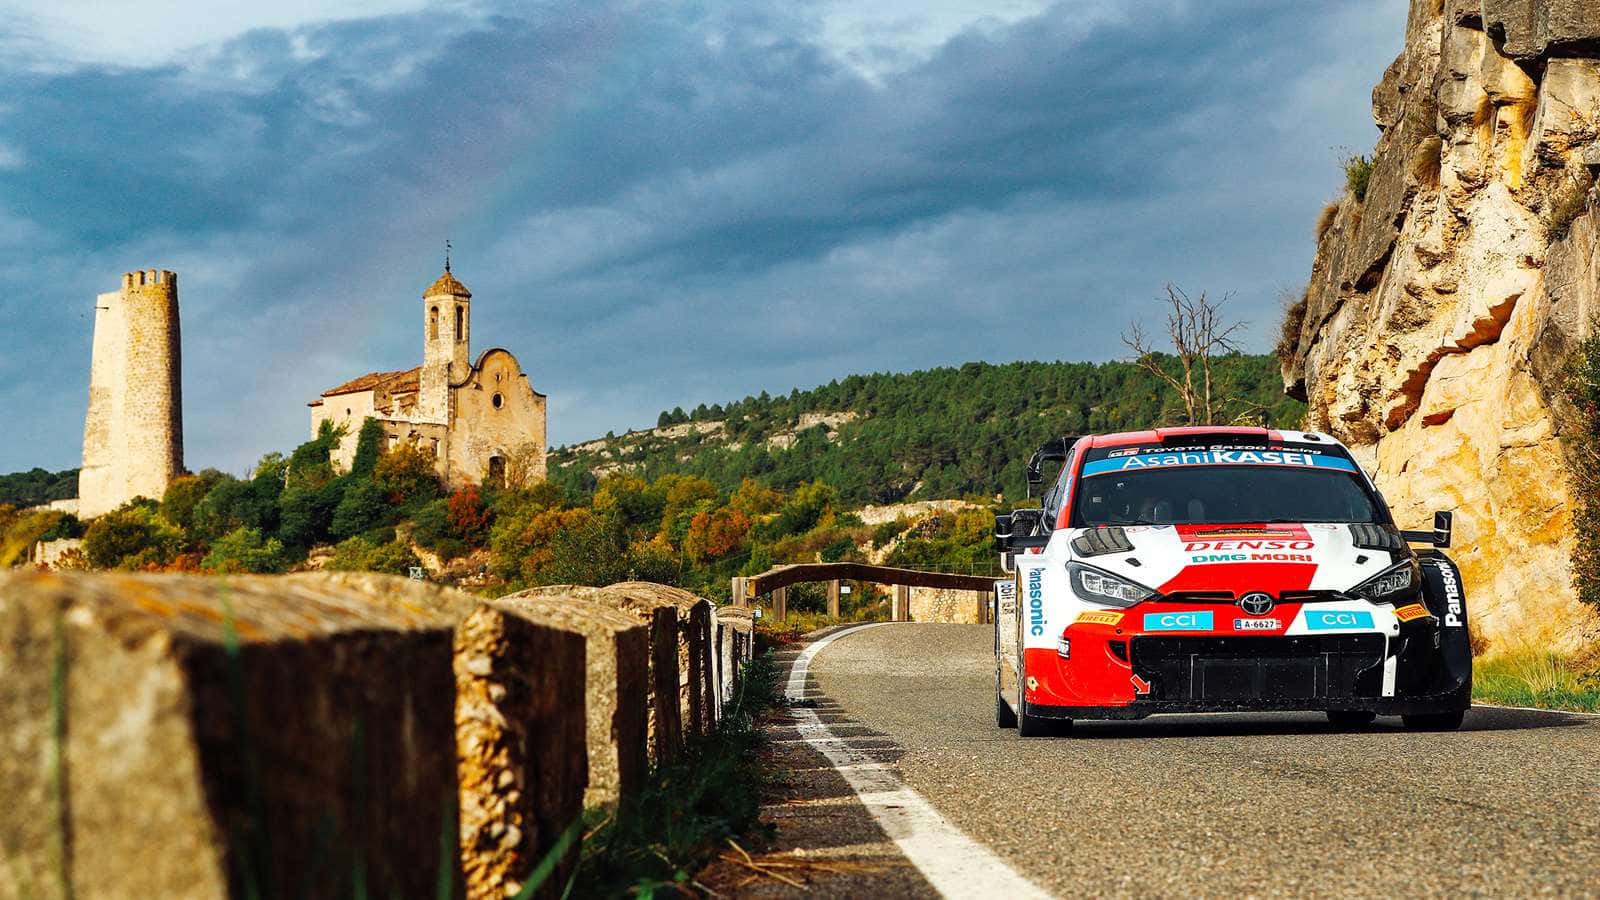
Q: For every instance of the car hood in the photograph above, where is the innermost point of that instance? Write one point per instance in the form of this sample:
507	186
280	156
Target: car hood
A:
1237	559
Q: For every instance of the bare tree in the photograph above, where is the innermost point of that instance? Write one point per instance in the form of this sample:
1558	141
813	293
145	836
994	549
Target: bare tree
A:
1198	331
524	466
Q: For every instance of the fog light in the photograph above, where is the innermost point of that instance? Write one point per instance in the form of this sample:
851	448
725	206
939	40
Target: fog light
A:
1064	647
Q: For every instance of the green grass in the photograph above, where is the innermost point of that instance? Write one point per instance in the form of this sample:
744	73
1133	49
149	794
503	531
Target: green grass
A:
1533	677
687	810
1358	174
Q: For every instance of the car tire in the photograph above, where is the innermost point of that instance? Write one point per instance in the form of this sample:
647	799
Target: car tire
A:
1351	718
1036	726
1446	721
1004	715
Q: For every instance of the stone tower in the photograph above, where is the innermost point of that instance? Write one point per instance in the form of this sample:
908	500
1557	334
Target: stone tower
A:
133	433
446	326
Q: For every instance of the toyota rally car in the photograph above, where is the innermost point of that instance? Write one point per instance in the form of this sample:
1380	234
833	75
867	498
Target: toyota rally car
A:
1222	570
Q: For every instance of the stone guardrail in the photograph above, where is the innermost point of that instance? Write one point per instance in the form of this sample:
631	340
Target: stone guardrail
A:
318	734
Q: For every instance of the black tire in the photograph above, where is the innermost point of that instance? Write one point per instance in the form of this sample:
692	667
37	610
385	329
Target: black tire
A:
1004	715
1035	726
1351	718
1445	721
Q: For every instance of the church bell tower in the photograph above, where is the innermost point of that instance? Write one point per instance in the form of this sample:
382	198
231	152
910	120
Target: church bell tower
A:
446	327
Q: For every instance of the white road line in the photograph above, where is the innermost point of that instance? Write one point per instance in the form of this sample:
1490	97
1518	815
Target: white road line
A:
953	863
1538	709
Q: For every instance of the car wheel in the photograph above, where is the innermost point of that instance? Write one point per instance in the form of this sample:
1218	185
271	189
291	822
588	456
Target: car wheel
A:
1448	721
1035	726
1004	715
1351	718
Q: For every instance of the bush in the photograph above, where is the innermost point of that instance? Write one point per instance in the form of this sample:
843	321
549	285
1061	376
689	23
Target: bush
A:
363	506
470	517
243	550
306	513
369	447
1582	387
1294	318
1358	174
406	475
361	555
184	494
133	537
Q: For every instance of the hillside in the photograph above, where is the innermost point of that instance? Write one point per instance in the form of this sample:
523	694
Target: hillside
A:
883	438
37	486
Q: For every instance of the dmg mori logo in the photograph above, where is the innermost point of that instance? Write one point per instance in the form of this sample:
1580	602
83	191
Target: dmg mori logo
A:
1256	603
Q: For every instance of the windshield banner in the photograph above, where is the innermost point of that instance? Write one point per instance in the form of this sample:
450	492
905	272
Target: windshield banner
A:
1242	457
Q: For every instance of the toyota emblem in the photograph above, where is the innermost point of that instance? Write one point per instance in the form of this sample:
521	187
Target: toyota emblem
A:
1256	604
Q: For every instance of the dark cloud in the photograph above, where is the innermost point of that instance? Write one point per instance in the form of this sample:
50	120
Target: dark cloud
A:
658	207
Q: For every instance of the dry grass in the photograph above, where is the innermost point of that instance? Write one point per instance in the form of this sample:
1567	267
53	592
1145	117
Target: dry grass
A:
1294	318
1325	220
1534	676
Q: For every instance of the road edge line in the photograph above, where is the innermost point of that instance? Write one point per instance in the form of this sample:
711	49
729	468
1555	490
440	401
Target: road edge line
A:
953	863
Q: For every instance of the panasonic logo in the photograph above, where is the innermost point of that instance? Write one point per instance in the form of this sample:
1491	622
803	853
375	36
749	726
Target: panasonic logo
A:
1035	603
1452	596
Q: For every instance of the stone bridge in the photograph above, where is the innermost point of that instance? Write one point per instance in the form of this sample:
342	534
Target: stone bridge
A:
777	581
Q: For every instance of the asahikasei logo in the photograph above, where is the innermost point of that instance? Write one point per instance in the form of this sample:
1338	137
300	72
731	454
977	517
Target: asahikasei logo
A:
1035	603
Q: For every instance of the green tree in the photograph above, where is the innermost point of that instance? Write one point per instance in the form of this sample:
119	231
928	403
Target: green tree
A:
369	448
132	537
244	550
363	506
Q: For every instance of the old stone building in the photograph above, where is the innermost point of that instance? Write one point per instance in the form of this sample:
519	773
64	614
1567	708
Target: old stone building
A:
133	431
479	420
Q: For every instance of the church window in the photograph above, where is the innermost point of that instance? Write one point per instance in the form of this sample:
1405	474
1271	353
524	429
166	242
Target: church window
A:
498	401
460	320
433	324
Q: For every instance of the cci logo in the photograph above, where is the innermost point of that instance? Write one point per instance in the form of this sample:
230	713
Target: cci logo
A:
1194	620
1327	620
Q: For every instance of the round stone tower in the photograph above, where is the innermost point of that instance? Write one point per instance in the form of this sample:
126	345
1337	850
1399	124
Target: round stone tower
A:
133	432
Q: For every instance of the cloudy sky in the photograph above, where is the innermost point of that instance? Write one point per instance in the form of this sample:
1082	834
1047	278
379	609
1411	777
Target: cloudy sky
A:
654	203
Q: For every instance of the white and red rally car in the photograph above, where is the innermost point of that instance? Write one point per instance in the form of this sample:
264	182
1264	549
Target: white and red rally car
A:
1222	570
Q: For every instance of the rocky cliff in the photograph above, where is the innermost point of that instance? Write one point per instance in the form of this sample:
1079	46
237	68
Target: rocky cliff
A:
1445	303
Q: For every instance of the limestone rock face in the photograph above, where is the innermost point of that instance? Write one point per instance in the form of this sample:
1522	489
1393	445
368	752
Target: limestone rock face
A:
1443	306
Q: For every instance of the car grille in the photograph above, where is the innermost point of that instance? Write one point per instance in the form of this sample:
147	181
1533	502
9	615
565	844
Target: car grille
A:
1222	668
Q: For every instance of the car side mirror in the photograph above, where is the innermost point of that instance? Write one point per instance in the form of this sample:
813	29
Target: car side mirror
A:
1016	531
1443	524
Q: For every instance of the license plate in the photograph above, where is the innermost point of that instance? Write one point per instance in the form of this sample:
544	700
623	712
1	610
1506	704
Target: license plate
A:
1256	625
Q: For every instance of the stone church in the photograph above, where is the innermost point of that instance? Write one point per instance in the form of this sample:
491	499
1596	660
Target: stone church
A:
480	420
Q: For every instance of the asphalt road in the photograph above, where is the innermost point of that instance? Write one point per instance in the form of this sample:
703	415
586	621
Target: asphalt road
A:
1266	804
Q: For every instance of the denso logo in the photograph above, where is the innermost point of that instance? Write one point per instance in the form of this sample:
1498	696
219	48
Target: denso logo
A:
1035	603
1452	595
1196	546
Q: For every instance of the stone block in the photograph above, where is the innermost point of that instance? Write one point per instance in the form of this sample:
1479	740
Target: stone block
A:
738	623
664	723
522	742
695	693
177	736
617	690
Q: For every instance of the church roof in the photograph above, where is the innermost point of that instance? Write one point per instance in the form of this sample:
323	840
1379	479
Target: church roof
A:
396	382
447	284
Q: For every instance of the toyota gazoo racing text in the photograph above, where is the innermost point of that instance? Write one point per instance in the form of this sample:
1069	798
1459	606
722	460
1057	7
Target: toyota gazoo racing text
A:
1222	569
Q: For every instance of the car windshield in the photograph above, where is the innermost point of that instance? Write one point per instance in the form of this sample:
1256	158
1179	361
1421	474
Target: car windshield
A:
1251	494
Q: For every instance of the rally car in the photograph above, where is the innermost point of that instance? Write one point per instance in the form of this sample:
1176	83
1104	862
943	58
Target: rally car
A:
1221	570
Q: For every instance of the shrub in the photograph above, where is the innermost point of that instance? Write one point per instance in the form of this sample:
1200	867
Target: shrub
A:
470	517
306	513
1325	219
883	535
361	555
1582	387
132	537
1358	174
406	475
1294	318
184	494
244	550
363	506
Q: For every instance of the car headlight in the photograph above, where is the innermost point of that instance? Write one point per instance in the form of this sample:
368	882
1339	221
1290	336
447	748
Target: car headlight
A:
1391	582
1104	588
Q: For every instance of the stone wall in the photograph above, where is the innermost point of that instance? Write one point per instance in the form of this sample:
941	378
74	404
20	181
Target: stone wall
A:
298	735
944	606
1443	306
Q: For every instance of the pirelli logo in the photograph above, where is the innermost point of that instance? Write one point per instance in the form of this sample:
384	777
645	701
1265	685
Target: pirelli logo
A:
1098	618
1413	611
